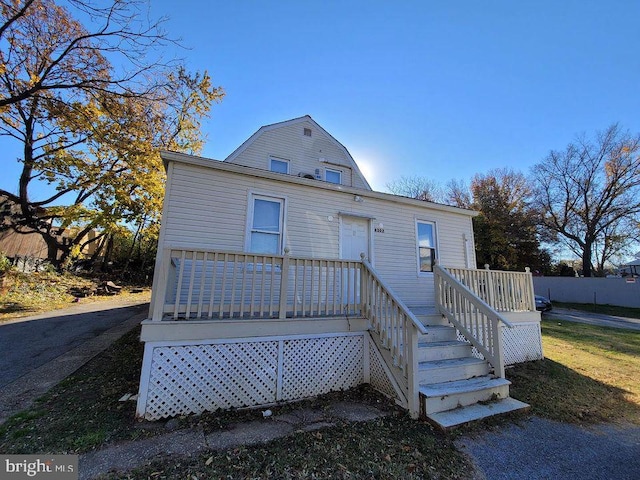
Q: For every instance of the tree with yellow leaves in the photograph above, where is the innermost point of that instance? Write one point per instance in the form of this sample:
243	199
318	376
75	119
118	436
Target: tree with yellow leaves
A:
89	129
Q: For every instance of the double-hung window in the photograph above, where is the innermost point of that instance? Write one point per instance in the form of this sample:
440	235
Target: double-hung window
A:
266	224
426	240
278	165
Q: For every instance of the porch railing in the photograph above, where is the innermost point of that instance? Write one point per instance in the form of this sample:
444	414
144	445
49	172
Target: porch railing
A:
472	316
395	326
503	291
204	284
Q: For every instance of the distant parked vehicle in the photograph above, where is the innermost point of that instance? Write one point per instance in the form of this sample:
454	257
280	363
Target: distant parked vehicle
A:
543	304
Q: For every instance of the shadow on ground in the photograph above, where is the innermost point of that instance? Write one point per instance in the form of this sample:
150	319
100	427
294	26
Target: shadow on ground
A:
557	392
11	307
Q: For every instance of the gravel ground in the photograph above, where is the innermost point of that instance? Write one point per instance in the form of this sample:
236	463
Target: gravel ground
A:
542	449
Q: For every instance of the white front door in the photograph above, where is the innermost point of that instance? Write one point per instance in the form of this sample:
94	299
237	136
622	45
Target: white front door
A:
354	240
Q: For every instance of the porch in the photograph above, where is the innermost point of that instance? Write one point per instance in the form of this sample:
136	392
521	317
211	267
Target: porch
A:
232	329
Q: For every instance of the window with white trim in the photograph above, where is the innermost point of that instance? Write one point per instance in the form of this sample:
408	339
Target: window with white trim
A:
278	165
426	241
265	227
333	176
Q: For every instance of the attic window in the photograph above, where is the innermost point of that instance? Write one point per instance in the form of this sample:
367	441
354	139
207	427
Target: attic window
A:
307	132
333	176
278	165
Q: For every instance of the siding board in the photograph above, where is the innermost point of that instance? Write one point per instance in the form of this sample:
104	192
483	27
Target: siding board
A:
208	208
303	153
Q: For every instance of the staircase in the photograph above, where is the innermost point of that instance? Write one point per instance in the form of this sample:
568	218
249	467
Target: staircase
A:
455	386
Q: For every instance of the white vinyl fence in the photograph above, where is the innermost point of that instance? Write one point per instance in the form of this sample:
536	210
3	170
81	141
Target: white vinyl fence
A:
623	292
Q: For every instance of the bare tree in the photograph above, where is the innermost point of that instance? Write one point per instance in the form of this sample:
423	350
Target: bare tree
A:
417	187
588	194
457	193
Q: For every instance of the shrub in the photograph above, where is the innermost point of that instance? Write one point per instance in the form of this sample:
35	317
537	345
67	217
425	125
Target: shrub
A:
5	264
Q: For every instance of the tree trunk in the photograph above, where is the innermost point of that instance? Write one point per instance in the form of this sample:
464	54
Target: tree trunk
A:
53	249
586	260
107	254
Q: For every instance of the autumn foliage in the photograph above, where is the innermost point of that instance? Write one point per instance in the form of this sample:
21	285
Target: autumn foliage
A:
86	92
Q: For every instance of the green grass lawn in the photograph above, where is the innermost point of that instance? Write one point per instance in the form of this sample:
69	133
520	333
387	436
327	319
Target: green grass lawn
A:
589	374
83	411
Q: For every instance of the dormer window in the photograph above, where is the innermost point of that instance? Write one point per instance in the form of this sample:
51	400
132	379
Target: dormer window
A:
333	176
278	165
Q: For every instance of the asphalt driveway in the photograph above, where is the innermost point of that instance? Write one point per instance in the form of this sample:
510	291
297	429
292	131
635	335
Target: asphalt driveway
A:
591	318
537	449
31	342
40	351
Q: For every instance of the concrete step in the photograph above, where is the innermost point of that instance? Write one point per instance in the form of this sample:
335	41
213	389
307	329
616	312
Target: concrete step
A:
430	351
440	397
438	333
450	370
459	416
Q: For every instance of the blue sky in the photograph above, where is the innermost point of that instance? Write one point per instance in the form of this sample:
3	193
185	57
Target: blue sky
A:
439	89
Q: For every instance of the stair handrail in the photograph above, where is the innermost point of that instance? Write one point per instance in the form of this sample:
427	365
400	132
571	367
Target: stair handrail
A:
397	329
417	323
488	339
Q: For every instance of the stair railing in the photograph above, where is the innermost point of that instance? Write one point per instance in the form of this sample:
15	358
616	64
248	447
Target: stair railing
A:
473	317
396	327
503	291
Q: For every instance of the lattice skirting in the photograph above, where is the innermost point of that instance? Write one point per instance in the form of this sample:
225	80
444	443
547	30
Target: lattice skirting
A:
522	343
180	378
379	378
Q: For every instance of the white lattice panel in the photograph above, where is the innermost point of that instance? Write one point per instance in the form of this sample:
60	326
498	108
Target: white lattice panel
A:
474	350
195	378
185	379
522	343
378	377
320	365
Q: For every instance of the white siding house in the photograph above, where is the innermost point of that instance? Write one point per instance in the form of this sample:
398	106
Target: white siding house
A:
281	275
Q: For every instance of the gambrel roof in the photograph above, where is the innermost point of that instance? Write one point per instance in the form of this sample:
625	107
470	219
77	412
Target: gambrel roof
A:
306	119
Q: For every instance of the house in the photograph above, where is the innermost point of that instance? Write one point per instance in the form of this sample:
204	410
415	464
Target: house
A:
25	246
282	275
631	269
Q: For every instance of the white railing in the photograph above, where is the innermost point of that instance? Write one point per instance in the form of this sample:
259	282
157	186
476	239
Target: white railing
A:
503	291
197	284
202	284
396	327
472	316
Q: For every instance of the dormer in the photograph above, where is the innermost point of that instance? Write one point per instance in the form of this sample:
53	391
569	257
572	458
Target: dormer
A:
302	148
